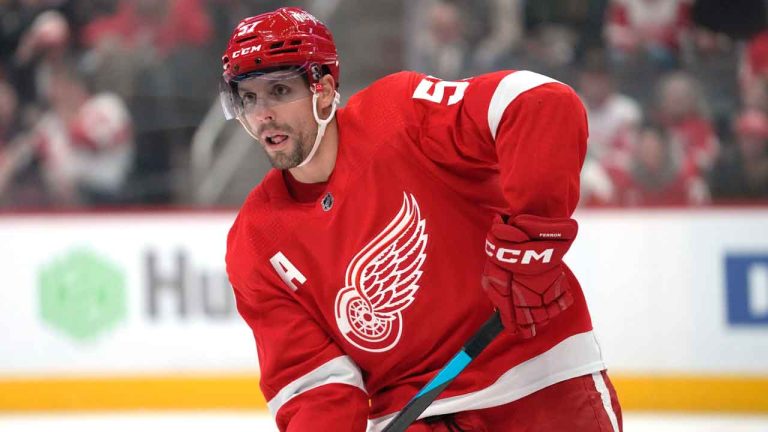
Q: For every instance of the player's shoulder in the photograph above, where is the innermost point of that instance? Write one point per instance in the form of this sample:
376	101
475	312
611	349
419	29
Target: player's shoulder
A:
522	91
382	109
511	84
393	88
498	87
403	79
404	84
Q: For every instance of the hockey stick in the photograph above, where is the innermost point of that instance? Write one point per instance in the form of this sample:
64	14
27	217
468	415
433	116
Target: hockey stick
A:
446	375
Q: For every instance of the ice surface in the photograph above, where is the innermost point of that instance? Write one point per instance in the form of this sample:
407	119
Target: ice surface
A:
259	422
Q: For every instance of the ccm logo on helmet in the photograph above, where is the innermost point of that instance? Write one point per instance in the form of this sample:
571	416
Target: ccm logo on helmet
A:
511	255
245	51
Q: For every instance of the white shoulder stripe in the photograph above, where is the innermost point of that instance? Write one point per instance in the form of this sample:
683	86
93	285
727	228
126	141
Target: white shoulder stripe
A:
509	88
340	370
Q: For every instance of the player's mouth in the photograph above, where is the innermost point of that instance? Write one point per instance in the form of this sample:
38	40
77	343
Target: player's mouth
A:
274	141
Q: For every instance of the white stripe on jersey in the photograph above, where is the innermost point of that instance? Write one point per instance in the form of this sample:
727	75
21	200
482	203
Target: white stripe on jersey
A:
576	356
605	395
340	370
509	88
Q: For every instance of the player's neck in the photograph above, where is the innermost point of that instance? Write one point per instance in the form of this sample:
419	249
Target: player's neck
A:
321	166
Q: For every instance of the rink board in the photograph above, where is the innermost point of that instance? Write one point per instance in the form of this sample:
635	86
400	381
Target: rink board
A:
133	311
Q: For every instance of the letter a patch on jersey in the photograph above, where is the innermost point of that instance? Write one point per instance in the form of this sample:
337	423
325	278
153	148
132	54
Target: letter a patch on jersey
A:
382	280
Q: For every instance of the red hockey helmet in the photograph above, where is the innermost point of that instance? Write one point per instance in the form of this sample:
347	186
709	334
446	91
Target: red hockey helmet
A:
285	37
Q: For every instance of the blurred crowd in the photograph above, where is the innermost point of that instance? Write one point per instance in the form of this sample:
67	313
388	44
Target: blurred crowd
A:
114	102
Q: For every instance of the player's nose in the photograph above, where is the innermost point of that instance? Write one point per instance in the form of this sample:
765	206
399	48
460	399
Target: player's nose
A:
261	113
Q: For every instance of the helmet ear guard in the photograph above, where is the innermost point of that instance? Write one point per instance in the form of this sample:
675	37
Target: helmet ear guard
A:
315	73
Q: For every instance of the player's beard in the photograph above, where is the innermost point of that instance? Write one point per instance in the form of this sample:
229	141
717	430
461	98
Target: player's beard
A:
294	154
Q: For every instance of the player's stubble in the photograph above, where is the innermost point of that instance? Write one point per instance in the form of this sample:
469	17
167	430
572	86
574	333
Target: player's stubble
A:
298	149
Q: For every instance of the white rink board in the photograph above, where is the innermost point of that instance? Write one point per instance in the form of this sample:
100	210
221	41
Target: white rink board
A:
656	284
655	281
186	247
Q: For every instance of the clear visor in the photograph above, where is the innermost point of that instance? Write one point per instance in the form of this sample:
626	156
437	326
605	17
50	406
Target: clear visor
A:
262	90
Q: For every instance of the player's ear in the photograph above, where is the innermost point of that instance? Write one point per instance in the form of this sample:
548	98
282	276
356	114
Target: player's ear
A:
327	92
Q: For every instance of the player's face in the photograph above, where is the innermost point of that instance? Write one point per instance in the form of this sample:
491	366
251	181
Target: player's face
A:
278	111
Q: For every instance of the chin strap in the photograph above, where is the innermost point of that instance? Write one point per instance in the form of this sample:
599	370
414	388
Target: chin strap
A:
321	123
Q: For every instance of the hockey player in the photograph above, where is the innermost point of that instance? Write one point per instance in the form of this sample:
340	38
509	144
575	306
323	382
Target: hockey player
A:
391	229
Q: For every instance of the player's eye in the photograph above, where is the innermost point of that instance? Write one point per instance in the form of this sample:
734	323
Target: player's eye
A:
249	99
281	90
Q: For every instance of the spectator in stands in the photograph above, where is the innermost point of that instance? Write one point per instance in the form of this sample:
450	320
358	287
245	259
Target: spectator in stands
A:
441	46
597	188
658	173
20	183
465	37
559	32
651	28
611	114
43	48
9	118
754	94
755	61
154	51
714	52
742	169
48	36
504	25
16	19
683	111
83	144
612	117
148	24
141	35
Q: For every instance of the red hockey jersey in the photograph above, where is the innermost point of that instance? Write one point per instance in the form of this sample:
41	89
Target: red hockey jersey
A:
358	298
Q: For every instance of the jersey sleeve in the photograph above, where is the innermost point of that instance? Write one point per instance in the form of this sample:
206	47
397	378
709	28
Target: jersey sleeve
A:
516	132
305	377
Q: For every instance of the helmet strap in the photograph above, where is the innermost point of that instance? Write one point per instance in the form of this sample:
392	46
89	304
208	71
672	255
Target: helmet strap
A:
321	123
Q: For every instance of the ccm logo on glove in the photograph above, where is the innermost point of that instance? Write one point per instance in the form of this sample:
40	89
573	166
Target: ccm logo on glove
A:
508	255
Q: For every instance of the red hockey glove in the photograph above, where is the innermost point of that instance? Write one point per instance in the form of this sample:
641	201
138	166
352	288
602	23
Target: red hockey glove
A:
524	275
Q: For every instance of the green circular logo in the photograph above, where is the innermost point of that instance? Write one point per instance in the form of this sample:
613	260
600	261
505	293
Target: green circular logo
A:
82	294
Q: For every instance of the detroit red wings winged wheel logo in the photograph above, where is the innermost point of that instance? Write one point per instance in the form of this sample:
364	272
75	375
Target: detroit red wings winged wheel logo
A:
382	280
